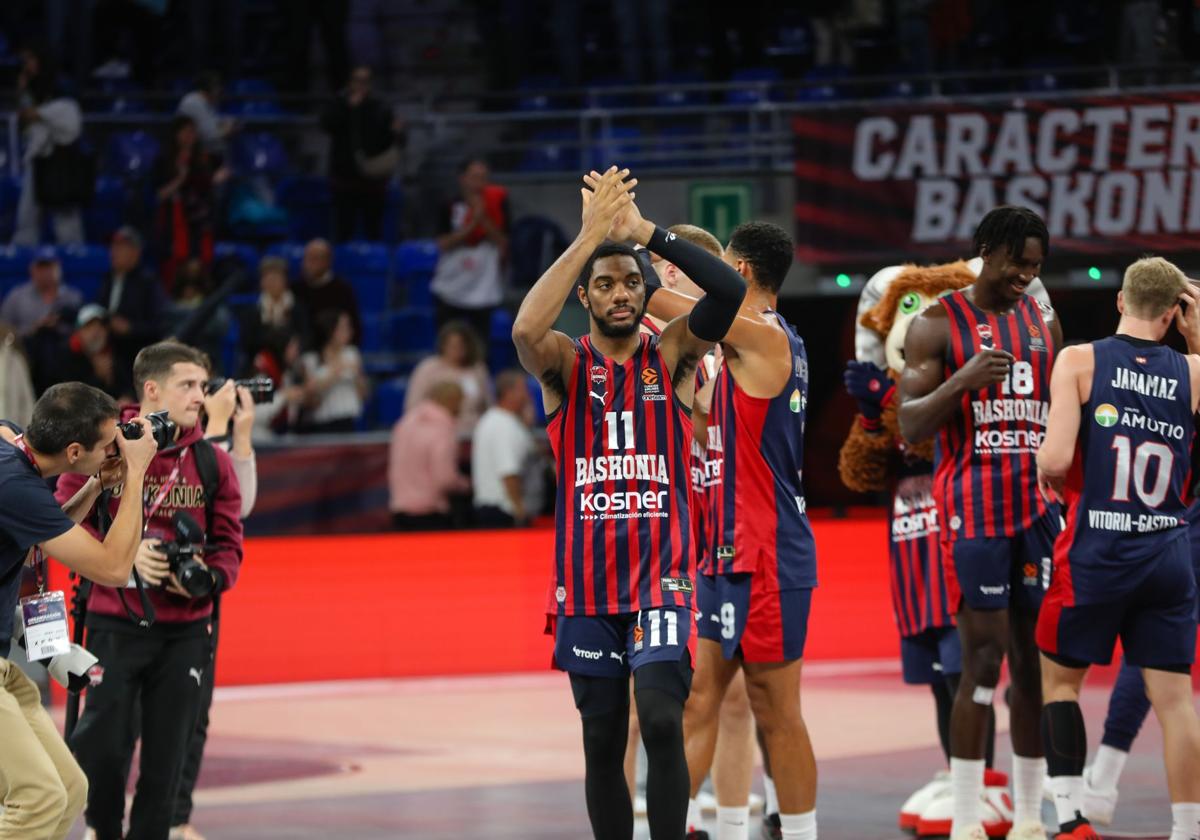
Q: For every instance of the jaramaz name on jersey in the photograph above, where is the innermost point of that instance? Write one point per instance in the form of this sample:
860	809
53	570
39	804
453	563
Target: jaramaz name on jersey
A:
1149	384
1143	523
624	504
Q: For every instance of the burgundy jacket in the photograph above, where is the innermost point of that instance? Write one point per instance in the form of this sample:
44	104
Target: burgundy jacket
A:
186	494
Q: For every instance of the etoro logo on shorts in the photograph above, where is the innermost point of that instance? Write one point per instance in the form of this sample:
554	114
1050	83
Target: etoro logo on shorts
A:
1106	415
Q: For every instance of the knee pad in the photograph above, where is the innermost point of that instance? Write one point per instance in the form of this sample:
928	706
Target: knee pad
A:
660	716
604	739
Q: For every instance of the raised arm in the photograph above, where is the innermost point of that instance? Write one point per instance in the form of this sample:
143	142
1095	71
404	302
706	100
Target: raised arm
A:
544	352
1072	370
927	399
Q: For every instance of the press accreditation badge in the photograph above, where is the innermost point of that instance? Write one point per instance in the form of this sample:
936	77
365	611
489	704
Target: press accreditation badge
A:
45	618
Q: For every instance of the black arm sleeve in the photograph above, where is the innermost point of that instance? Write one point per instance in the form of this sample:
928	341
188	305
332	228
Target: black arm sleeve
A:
724	288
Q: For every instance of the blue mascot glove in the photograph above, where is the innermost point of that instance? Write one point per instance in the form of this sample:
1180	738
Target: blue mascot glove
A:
871	388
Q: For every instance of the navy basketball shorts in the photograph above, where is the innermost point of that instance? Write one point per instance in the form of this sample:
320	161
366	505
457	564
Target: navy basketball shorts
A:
931	655
993	573
616	645
1155	621
744	618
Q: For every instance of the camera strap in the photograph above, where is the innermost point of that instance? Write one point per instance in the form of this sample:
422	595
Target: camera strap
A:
148	612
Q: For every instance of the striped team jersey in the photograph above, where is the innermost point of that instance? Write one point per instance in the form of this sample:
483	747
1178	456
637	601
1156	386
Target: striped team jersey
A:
700	482
758	519
1126	492
918	583
621	438
985	478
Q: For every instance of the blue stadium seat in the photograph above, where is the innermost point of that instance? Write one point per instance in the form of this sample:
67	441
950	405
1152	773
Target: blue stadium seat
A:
293	252
536	93
675	97
552	150
84	267
246	254
501	352
412	330
374	331
823	87
601	93
416	261
389	401
621	145
130	153
14	266
308	203
367	265
251	98
751	94
393	213
259	153
106	213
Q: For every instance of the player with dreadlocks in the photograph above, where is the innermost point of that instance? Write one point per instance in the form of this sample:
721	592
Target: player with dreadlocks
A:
978	376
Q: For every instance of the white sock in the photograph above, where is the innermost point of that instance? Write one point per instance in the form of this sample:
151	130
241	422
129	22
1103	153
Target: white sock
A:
771	806
1185	818
1068	797
1029	777
1106	769
966	783
799	826
733	823
695	820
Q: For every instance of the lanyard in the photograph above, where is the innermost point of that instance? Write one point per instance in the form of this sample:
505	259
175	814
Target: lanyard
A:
40	572
165	490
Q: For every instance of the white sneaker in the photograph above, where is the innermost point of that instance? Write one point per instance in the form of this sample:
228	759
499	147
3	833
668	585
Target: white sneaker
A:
1028	831
1098	805
639	805
996	809
970	832
915	805
756	803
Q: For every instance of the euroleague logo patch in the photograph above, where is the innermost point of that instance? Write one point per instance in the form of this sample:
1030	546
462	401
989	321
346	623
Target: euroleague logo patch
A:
651	390
649	376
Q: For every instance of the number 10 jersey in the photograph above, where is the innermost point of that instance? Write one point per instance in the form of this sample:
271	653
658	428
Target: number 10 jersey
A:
621	441
1126	489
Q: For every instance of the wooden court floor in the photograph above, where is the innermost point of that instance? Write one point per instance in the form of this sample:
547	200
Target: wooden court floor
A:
500	757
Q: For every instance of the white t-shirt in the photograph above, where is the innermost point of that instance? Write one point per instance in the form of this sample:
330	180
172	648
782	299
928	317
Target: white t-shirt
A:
500	447
341	400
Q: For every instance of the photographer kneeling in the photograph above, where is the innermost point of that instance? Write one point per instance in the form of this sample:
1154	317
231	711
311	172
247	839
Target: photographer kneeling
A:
154	642
73	432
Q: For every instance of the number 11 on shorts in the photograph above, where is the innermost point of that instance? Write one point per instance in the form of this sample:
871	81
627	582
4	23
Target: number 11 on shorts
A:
656	619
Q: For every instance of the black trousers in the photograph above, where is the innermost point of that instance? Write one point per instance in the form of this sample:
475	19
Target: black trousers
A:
162	668
195	749
365	204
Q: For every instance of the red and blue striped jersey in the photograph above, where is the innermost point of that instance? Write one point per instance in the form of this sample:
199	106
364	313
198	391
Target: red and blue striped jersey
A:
621	439
700	481
756	505
985	478
1127	489
918	582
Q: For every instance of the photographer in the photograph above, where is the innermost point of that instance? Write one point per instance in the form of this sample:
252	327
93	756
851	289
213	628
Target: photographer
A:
73	433
229	419
154	645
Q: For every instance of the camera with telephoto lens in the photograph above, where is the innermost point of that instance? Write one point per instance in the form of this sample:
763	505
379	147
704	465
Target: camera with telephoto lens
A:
261	388
161	428
181	553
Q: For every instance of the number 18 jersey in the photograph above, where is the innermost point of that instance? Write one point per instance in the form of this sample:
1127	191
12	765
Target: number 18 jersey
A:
1127	486
621	441
985	479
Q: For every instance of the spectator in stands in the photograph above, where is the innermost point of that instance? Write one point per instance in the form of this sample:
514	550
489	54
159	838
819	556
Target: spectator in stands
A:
192	285
132	296
184	178
363	156
423	461
459	359
16	384
335	383
200	105
320	290
276	321
468	283
89	356
500	449
44	302
52	124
